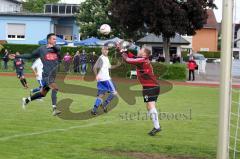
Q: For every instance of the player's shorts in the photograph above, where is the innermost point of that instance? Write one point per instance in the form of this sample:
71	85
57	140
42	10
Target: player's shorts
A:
106	86
41	83
20	73
49	79
150	93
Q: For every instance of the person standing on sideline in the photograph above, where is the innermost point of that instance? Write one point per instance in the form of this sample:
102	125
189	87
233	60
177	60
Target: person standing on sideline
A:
92	60
76	62
5	59
83	62
191	67
67	62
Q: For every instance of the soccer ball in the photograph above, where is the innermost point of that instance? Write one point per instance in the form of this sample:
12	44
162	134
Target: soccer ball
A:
105	29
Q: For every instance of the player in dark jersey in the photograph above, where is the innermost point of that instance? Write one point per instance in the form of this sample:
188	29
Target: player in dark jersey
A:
151	88
19	66
50	57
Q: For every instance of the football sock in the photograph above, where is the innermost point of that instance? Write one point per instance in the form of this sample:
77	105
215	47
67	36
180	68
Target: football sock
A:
154	116
36	95
25	82
108	100
22	82
54	97
98	102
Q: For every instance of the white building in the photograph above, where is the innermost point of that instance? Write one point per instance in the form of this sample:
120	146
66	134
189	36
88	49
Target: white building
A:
238	37
155	44
71	1
10	5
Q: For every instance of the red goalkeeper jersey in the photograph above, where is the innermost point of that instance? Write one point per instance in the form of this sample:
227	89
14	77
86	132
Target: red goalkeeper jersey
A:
144	70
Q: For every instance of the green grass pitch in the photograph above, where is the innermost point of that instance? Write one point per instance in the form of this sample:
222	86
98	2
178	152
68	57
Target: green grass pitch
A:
36	134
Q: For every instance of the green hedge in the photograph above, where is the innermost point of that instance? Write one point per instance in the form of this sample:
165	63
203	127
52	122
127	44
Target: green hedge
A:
211	54
27	48
162	70
24	48
12	48
171	71
207	54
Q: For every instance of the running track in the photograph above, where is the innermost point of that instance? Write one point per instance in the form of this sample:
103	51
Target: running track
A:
71	77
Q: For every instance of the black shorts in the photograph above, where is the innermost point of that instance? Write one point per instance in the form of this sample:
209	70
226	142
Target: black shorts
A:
150	93
19	73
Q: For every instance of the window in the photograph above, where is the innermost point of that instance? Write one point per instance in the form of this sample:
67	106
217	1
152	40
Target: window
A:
16	31
64	32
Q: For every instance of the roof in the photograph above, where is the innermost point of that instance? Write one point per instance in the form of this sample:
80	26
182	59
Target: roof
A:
153	39
15	1
34	14
211	21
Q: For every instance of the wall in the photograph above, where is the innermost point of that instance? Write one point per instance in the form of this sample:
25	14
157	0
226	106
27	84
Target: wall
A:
36	28
7	6
205	38
70	22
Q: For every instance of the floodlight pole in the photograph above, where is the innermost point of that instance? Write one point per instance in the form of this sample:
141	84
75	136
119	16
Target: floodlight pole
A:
225	82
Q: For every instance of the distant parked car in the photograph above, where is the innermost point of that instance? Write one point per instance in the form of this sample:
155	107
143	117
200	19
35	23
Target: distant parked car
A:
219	60
201	62
197	56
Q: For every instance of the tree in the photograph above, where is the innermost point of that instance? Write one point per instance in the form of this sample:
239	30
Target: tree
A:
161	17
36	6
92	14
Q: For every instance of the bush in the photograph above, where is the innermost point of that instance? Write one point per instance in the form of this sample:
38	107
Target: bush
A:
211	54
1	48
13	48
164	71
207	54
27	49
170	71
161	70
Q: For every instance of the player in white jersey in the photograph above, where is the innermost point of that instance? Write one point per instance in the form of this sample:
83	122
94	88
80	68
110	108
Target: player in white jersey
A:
37	68
104	82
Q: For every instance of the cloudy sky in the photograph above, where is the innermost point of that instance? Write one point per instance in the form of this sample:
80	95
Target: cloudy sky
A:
218	12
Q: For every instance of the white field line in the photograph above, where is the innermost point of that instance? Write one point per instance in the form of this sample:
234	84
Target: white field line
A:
50	131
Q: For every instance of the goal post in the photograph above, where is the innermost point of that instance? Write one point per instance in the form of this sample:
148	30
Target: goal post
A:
225	81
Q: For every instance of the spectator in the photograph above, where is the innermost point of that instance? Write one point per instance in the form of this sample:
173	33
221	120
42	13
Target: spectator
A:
5	59
191	67
160	58
83	62
176	58
76	62
67	62
92	59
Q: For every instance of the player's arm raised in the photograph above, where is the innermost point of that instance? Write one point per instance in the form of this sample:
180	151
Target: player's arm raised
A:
34	54
133	61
